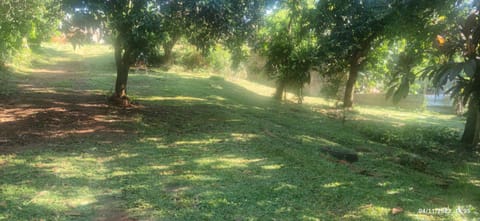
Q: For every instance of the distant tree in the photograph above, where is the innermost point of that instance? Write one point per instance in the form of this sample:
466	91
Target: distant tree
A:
288	45
458	61
404	67
348	31
174	27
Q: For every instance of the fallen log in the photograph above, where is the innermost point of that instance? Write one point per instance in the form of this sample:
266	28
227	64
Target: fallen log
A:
341	154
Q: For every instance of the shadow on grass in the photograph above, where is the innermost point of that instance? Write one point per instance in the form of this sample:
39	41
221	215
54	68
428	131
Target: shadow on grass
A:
202	149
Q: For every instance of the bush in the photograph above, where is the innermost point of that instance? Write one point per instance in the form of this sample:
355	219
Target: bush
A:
192	59
414	138
219	59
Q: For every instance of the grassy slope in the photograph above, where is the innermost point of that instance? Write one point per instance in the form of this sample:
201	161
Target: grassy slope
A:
212	149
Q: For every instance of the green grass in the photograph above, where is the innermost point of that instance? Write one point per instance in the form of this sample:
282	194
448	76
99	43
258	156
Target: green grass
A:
207	148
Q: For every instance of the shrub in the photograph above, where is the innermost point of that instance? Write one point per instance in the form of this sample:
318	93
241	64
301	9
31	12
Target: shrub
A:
416	138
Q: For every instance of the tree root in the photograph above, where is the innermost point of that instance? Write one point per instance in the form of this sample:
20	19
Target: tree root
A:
122	101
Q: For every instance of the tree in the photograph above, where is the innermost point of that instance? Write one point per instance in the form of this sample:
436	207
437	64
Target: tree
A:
458	62
288	45
135	28
349	30
404	67
140	25
29	20
175	25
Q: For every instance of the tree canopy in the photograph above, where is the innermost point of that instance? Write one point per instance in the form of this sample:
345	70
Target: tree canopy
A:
26	23
393	43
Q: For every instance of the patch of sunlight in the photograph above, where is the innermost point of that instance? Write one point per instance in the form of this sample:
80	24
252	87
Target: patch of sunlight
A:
398	190
53	197
152	139
197	177
333	185
475	182
226	162
272	167
418	216
283	209
264	203
159	167
285	186
316	140
310	218
176	98
120	173
79	197
233	120
78	167
460	174
143	205
216	86
193	75
254	87
473	164
215	97
394	191
126	155
317	101
383	184
368	212
400	117
197	142
243	136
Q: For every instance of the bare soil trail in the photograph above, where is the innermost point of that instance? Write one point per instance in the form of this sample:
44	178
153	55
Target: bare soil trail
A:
54	104
55	108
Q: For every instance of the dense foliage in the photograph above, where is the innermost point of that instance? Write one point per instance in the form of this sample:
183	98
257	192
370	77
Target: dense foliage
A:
288	46
26	23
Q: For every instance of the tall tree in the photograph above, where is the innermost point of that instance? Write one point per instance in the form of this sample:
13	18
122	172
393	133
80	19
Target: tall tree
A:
135	28
458	62
349	30
288	44
141	24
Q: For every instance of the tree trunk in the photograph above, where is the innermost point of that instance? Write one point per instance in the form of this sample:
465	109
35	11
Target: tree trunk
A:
300	95
350	86
122	61
356	61
477	128
279	91
168	48
121	81
470	133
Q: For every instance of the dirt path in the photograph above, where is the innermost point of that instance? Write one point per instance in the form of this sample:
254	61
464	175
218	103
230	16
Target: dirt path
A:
54	108
53	104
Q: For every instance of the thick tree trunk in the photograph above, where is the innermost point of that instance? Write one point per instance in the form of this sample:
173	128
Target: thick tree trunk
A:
279	91
356	61
471	132
122	61
350	86
121	81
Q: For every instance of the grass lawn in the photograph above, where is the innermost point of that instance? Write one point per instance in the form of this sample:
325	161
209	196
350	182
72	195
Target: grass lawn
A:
199	146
